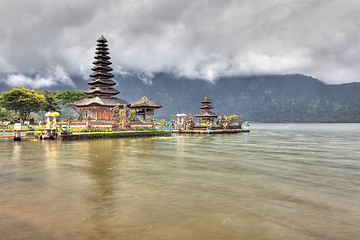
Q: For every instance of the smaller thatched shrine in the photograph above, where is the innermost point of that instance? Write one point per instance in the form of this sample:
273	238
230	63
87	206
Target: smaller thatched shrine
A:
206	115
145	108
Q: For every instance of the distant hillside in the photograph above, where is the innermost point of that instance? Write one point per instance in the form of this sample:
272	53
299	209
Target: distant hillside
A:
285	98
279	98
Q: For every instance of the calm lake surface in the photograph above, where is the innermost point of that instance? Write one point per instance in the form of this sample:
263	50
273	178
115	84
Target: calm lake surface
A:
280	181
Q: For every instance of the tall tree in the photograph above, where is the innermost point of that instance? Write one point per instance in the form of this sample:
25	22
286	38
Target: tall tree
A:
68	97
51	103
22	101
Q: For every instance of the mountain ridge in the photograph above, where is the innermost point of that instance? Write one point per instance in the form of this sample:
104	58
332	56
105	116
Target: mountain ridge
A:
272	98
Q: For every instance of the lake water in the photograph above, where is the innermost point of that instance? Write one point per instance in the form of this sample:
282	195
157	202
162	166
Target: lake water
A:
280	181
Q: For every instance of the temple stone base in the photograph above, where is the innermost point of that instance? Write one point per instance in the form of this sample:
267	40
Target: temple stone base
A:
225	131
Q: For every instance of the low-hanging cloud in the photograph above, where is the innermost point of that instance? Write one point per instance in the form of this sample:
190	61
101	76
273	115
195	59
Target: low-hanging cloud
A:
54	76
198	39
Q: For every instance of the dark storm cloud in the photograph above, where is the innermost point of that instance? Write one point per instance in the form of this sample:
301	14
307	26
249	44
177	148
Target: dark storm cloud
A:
44	42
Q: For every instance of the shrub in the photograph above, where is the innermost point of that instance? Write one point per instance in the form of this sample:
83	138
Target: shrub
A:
233	119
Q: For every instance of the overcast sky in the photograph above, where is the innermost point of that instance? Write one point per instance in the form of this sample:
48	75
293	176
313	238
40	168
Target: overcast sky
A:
44	42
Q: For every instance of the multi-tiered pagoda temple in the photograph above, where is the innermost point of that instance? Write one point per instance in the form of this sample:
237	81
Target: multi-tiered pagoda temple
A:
101	93
206	115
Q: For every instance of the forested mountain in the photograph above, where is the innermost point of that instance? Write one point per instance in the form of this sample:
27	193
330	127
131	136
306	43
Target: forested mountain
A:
278	98
281	98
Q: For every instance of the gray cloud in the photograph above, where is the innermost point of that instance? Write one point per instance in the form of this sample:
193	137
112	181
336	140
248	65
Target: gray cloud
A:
45	42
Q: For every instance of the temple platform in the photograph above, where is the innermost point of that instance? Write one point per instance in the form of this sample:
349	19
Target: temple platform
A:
223	131
117	134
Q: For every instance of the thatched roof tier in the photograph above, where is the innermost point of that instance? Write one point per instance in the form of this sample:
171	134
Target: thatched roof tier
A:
99	101
103	52
145	103
101	44
102	48
101	75
100	90
101	68
102	82
101	62
206	107
206	100
206	115
102	57
101	39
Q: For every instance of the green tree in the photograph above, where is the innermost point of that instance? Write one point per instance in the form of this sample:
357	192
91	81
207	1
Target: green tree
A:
5	114
68	97
51	103
233	119
22	101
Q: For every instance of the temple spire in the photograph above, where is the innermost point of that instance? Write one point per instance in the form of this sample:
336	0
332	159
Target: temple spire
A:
101	84
101	98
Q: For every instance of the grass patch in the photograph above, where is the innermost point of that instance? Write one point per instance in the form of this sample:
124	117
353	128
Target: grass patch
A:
121	134
32	133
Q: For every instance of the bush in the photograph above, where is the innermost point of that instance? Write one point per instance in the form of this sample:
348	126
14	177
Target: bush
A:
31	120
122	134
233	119
100	130
78	129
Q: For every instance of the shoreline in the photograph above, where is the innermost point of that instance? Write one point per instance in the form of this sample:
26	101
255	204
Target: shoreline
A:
125	134
94	135
223	131
112	135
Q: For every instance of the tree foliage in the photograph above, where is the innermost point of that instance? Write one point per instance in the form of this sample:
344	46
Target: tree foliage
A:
22	101
68	97
233	119
5	114
132	115
51	103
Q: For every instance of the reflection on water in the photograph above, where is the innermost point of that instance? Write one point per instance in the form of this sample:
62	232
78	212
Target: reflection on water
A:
281	181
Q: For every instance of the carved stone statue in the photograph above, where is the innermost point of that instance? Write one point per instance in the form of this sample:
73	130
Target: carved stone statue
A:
115	113
226	122
191	122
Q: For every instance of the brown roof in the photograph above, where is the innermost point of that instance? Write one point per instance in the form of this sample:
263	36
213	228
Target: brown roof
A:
208	106
206	114
100	74
102	57
101	81
104	52
205	100
100	44
102	62
102	47
102	39
145	103
101	68
107	91
99	101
